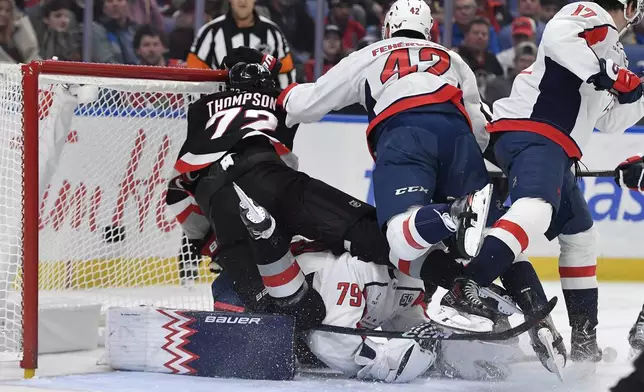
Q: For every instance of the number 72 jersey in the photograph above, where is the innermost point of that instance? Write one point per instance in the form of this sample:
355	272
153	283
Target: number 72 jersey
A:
218	121
389	77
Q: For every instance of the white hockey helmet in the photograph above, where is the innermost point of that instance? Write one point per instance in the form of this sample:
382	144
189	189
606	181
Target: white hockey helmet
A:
413	15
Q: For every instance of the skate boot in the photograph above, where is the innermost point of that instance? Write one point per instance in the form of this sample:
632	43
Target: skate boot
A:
544	337
583	343
464	298
470	215
636	337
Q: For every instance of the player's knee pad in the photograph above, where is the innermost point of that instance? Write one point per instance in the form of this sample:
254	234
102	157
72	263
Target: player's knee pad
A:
527	218
404	240
578	259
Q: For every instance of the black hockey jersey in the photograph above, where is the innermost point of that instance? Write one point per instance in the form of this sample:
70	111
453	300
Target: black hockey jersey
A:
215	124
218	121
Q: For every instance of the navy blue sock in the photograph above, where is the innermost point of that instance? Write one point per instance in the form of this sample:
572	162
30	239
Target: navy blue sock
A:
518	277
494	258
582	306
430	224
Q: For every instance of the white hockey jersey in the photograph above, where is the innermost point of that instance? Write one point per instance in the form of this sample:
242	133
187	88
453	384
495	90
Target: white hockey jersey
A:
388	77
359	295
552	97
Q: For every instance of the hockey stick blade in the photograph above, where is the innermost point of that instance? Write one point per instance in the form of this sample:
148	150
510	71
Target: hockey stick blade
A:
440	332
255	214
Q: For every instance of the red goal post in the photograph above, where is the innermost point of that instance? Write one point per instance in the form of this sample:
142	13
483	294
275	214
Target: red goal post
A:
31	74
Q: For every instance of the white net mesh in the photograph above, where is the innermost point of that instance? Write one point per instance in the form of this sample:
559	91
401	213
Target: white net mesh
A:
106	149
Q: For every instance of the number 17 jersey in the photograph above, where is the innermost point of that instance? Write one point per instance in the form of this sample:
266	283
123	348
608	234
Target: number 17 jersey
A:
388	77
218	121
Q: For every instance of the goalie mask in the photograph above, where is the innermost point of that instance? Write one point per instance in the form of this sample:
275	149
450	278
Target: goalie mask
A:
244	76
412	15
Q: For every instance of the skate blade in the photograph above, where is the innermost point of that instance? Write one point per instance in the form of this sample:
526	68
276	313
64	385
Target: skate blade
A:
546	338
254	214
474	235
506	306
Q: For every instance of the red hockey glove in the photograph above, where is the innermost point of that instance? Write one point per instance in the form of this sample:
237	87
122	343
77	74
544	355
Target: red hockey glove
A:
244	54
620	81
630	173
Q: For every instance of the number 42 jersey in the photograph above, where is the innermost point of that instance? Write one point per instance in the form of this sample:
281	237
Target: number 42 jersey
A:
389	77
218	121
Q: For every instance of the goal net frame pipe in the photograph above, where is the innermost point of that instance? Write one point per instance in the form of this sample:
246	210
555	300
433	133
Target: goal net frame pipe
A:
30	205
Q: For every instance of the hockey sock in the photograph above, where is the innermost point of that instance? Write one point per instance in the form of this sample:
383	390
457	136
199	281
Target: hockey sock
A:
520	278
278	268
582	306
413	232
494	258
433	223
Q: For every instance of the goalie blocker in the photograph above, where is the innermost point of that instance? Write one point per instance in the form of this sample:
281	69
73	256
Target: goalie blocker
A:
201	343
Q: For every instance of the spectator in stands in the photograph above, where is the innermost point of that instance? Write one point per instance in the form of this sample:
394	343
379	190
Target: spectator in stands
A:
183	33
333	52
497	88
113	34
549	8
340	16
295	22
531	9
241	25
150	47
146	12
464	14
523	29
495	11
474	49
60	39
18	42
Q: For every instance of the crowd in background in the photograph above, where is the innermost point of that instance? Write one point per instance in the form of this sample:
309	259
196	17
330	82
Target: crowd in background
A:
497	38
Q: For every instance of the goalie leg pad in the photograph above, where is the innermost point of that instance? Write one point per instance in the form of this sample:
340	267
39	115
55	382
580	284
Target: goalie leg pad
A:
207	344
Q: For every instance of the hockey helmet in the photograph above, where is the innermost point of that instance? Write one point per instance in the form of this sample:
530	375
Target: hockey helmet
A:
636	17
414	15
245	76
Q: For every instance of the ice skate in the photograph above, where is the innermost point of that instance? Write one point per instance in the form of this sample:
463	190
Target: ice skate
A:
464	297
470	215
583	343
636	337
544	337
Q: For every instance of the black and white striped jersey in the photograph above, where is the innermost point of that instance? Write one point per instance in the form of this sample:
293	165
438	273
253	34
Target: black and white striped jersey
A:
218	37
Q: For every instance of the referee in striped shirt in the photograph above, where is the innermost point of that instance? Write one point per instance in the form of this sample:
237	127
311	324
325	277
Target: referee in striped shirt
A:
241	26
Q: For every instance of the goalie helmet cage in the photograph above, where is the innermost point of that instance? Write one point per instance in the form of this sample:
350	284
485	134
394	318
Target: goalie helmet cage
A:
141	82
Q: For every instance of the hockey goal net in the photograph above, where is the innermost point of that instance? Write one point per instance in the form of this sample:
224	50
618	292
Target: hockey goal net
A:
85	154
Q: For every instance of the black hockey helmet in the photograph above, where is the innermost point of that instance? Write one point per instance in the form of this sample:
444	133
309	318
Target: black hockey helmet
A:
245	76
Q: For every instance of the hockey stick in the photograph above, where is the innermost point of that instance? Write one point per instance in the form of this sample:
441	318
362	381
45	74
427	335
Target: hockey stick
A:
434	331
585	173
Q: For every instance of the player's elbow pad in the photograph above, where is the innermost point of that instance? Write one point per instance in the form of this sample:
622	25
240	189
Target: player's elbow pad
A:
398	360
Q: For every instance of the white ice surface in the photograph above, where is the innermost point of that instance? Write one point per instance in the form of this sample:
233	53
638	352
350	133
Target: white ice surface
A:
619	305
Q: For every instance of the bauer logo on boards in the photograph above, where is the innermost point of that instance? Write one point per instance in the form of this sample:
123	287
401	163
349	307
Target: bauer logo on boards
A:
232	320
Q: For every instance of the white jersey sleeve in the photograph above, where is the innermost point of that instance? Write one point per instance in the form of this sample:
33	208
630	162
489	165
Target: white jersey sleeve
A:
621	117
309	102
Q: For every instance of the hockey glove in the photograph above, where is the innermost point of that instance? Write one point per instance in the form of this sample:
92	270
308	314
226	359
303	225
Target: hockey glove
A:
244	54
630	173
620	81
